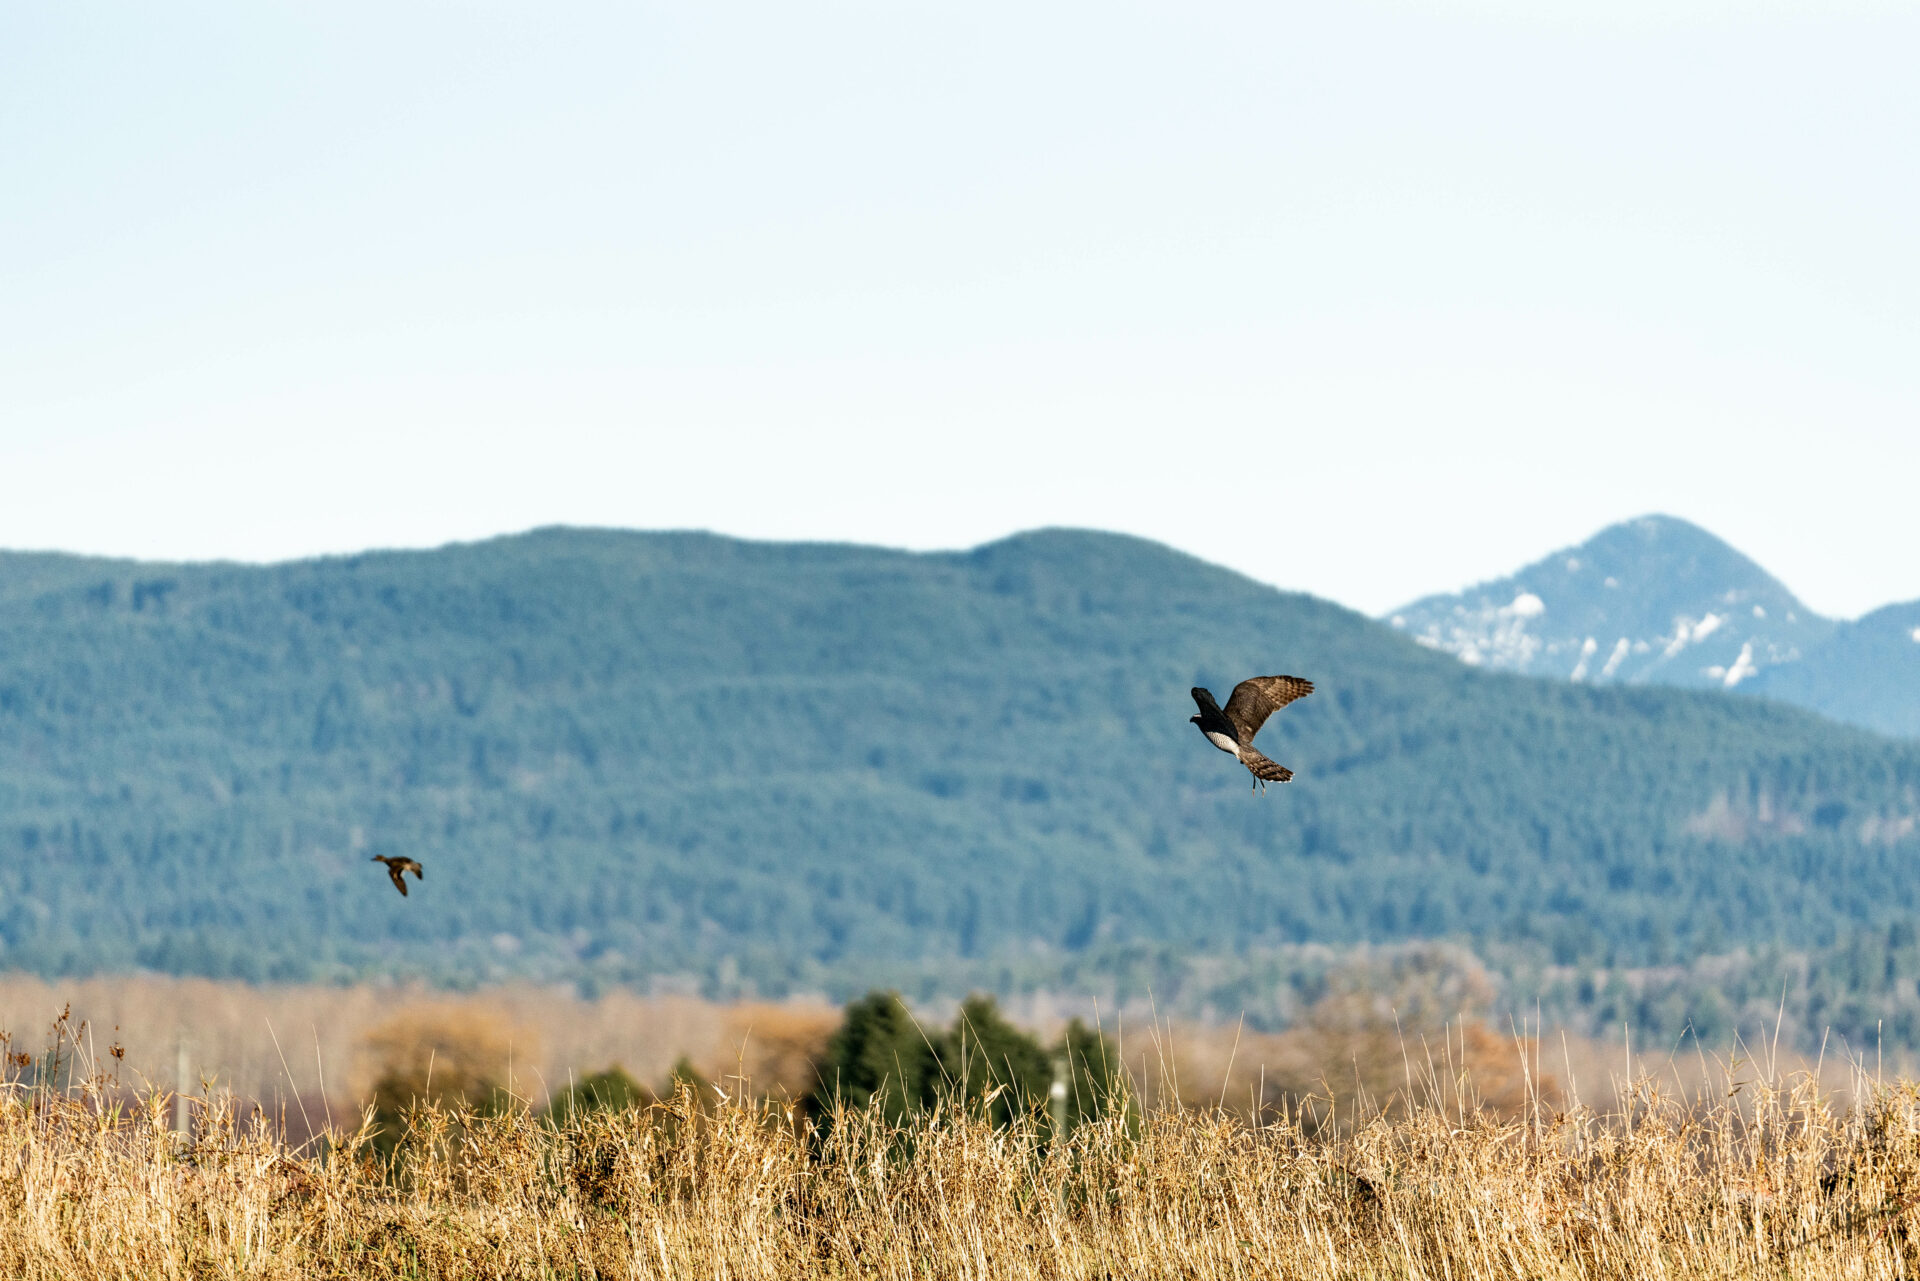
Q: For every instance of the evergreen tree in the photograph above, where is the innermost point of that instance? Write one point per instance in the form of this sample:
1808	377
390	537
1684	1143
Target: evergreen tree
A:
878	1052
986	1055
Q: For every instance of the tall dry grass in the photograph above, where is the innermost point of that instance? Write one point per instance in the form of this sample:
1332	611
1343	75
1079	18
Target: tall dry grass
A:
1743	1177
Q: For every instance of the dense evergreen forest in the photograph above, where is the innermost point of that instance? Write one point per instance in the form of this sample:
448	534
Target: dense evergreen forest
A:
624	756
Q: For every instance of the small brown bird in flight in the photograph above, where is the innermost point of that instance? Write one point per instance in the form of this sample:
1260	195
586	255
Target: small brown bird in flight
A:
398	868
1231	729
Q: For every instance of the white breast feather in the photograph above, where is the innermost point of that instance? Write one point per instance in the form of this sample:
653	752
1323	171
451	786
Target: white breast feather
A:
1223	741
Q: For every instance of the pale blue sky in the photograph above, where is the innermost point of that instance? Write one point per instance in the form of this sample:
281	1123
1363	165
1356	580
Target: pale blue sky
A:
1369	300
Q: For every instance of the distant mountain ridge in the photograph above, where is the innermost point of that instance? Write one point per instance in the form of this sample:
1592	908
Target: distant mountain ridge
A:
1866	673
1657	600
624	755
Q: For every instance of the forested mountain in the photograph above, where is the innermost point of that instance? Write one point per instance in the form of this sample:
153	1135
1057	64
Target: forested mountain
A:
623	755
1867	672
1659	601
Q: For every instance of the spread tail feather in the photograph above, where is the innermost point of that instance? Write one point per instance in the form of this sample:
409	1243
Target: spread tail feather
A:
1262	768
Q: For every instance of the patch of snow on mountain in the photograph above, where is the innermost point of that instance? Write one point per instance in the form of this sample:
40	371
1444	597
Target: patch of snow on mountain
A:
1743	666
1621	648
1573	564
1916	635
1612	581
1682	633
1485	633
1587	651
1400	620
1759	611
1707	626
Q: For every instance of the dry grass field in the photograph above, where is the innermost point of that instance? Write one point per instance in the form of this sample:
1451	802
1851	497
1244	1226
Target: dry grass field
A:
1748	1179
1726	1170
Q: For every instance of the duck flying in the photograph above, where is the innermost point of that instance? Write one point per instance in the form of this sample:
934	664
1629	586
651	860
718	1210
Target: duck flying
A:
398	868
1231	728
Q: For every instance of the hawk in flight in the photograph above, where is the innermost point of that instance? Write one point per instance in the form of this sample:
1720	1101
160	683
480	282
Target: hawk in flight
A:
398	868
1231	729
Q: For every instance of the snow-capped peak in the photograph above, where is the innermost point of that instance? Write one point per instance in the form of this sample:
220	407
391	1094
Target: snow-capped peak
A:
1650	599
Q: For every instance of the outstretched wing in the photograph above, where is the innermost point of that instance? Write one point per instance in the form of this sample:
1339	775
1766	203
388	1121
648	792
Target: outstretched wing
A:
1259	697
1204	698
413	865
399	874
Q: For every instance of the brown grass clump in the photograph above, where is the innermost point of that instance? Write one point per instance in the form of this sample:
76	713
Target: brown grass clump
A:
1389	1021
446	1050
455	1058
1745	1177
776	1046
